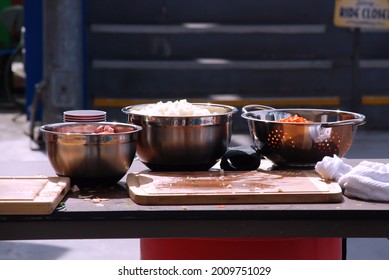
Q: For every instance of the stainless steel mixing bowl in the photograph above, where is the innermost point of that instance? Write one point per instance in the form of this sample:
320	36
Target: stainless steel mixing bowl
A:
329	132
182	142
75	150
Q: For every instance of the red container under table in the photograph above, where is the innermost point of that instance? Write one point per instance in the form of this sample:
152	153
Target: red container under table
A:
241	249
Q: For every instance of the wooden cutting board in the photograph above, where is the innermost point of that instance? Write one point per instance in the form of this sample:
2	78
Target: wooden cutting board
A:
231	187
31	195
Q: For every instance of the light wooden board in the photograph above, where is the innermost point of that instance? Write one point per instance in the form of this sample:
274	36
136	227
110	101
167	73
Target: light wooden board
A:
31	195
231	187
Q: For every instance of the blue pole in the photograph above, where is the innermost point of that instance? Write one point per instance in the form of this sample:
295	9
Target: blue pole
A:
33	21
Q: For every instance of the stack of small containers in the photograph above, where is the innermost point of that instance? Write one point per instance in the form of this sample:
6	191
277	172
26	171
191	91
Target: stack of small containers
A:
84	116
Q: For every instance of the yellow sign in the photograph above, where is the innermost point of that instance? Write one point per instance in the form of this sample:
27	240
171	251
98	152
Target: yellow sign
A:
362	13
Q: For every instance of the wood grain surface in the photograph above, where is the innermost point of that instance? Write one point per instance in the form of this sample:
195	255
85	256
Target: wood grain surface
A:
31	195
231	187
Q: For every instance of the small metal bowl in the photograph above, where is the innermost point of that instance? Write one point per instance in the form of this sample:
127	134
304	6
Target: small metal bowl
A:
179	143
75	150
328	133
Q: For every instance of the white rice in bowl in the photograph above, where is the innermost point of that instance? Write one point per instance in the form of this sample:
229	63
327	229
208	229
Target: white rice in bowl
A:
177	108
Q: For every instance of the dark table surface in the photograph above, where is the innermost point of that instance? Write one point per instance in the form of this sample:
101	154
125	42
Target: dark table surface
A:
120	217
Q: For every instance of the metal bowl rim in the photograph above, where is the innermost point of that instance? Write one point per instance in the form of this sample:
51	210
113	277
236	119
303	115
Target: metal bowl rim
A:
45	128
232	110
358	117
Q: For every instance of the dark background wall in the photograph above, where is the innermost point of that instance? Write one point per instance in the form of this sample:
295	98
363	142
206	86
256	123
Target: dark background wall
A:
274	52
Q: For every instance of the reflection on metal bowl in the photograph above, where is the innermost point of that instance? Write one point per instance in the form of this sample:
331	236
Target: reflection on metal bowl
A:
75	150
173	143
328	133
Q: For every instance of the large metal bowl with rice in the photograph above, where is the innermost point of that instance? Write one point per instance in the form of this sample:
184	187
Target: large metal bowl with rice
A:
182	142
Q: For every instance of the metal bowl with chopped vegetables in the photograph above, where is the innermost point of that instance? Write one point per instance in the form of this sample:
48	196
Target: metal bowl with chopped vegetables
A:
301	137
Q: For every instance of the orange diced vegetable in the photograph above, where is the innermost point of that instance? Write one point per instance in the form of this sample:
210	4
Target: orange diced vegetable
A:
294	118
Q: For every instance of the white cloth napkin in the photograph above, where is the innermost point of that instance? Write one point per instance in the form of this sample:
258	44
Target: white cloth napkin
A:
368	180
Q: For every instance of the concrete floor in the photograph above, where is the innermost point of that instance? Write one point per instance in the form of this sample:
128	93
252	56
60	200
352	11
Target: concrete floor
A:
15	144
